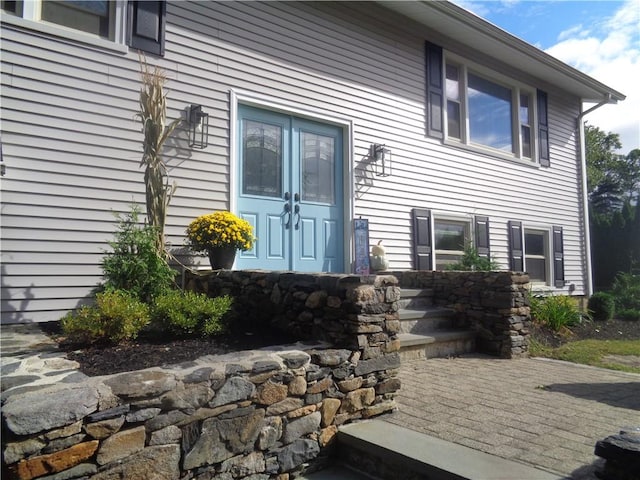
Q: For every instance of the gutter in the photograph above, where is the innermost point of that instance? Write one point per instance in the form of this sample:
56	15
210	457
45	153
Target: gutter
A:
585	197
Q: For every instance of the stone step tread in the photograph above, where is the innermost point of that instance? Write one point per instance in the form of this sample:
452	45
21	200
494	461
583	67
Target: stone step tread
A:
337	472
416	292
413	339
427	312
432	457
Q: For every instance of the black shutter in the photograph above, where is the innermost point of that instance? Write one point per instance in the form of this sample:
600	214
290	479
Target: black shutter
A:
422	251
435	91
558	257
516	252
543	130
482	236
146	25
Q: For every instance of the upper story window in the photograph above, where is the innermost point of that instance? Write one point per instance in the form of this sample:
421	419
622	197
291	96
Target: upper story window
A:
470	105
487	113
95	17
107	23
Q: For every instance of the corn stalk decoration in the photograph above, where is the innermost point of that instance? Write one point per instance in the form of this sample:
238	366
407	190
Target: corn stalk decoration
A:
153	115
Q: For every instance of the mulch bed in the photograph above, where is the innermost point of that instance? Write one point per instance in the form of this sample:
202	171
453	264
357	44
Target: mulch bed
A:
147	351
150	351
610	330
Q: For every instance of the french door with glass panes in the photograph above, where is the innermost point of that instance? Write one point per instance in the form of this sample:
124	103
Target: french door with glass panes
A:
290	190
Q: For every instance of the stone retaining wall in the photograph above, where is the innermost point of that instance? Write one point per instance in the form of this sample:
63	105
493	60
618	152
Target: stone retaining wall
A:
263	414
495	304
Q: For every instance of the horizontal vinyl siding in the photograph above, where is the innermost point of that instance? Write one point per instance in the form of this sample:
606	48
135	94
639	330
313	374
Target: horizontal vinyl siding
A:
72	145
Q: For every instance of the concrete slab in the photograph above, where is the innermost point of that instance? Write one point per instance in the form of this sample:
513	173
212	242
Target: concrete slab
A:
433	457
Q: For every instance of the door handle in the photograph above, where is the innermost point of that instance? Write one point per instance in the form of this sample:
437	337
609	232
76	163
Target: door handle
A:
296	197
287	211
296	211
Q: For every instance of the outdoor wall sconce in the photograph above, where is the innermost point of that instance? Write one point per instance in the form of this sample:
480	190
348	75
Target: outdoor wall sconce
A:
198	127
381	157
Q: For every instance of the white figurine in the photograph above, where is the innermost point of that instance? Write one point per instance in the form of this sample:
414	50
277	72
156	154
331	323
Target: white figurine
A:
377	259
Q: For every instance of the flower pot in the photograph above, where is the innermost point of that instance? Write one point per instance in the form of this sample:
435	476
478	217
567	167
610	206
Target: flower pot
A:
222	257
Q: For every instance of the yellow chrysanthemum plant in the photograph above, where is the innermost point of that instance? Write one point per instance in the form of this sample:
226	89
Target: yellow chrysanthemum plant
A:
219	229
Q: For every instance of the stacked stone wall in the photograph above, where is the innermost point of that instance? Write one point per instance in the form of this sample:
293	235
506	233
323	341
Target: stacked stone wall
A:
258	415
495	304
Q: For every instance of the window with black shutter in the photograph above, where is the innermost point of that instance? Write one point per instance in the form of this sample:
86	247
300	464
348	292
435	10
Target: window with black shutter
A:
482	236
558	257
422	251
146	26
516	253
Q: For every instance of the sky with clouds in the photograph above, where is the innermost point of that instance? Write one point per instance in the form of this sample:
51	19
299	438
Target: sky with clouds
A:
599	37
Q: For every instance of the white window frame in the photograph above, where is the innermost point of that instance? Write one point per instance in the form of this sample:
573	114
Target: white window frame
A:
548	252
517	88
466	222
31	19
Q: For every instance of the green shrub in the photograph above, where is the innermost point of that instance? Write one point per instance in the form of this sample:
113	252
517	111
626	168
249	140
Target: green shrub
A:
626	291
556	312
471	261
116	316
185	313
134	265
601	306
631	314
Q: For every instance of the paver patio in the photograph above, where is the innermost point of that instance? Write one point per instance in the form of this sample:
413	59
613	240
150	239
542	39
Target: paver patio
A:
545	413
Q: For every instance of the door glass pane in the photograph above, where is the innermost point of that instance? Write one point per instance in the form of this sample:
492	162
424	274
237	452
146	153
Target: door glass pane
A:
317	153
490	113
261	159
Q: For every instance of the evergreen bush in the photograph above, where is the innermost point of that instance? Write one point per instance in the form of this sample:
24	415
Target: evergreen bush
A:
601	306
116	316
186	313
471	261
134	264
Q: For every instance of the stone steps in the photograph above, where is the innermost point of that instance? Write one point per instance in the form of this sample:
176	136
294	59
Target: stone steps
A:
427	331
381	450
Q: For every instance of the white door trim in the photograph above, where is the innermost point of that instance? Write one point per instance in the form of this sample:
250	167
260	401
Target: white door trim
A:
289	108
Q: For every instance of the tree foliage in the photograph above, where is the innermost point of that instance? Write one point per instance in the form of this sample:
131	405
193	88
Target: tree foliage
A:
612	179
613	183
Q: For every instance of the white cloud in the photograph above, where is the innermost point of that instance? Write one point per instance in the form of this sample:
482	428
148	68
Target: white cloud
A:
610	53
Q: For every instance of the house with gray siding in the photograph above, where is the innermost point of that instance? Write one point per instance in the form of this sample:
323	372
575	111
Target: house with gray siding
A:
480	135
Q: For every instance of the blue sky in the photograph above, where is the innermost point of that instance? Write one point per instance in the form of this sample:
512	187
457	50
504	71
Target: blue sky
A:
599	37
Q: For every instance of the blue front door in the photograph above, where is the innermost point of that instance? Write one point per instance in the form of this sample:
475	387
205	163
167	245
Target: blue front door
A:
290	190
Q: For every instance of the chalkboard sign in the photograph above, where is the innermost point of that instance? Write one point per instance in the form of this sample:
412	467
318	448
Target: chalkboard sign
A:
361	241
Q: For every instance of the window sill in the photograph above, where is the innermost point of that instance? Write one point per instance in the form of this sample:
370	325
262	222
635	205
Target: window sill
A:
488	152
61	32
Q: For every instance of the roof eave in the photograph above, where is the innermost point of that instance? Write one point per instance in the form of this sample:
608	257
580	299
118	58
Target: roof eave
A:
450	19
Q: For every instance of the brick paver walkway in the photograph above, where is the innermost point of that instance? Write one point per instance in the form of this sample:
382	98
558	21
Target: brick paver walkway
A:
545	413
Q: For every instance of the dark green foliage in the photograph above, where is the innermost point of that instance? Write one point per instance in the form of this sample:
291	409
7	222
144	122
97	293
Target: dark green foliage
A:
135	265
556	312
472	261
626	291
601	306
629	314
116	316
185	313
614	188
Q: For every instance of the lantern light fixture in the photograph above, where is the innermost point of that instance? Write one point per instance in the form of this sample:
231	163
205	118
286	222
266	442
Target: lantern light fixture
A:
198	127
380	155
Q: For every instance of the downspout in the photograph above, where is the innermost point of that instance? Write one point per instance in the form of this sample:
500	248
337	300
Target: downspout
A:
585	196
